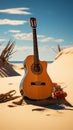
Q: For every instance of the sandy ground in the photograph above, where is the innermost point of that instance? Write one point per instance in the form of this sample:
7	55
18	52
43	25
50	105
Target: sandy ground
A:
53	117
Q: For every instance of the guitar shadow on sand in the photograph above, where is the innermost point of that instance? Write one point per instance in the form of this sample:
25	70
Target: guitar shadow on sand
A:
55	104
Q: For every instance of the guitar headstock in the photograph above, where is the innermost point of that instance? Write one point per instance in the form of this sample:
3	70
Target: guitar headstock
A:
33	22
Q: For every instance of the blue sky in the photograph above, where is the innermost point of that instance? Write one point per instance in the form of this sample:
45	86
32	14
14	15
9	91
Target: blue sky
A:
54	26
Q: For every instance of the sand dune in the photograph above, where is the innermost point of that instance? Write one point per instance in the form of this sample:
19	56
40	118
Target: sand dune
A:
61	71
34	117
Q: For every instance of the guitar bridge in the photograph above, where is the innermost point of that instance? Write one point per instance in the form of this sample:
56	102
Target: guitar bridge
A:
38	83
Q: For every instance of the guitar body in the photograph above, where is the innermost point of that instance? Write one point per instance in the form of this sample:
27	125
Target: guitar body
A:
36	85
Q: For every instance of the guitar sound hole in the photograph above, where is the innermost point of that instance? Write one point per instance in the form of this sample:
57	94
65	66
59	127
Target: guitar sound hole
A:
36	69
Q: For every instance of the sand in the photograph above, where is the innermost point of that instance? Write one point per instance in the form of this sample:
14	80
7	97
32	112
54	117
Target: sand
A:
27	116
61	71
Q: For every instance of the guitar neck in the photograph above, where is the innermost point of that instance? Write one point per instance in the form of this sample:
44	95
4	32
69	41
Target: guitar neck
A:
35	46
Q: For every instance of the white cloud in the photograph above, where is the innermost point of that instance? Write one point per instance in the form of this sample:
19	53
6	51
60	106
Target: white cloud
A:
11	22
59	40
2	40
41	38
47	39
51	39
23	11
23	36
28	36
14	31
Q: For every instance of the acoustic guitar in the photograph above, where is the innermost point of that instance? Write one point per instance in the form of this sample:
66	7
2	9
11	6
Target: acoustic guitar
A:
37	83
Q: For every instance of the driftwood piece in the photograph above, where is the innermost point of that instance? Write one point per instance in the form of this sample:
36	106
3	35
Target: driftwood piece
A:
8	96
